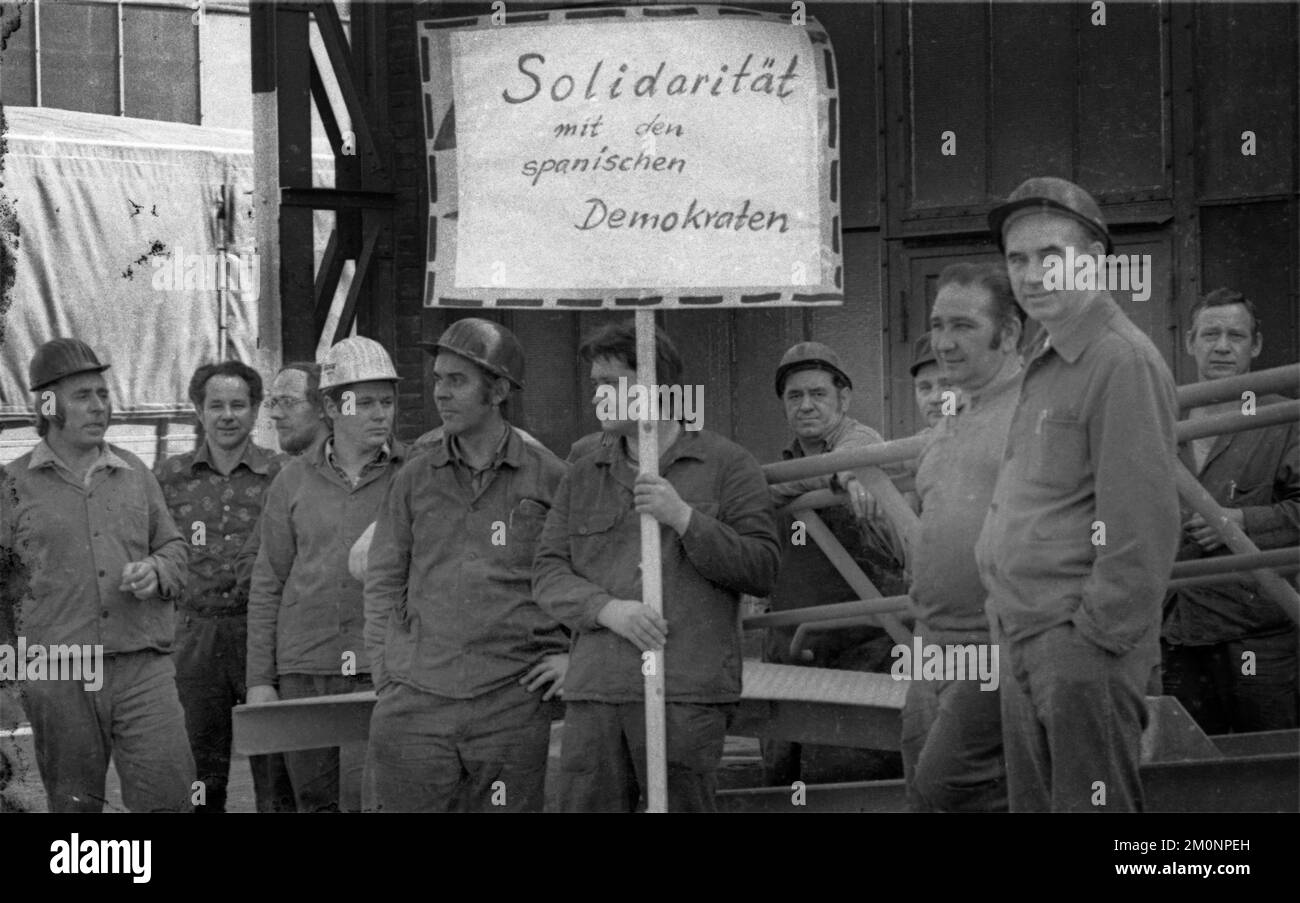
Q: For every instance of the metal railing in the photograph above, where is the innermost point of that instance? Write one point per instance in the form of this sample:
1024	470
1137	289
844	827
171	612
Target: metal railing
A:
874	609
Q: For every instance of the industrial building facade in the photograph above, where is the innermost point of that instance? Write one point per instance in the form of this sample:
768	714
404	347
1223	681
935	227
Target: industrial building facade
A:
1181	118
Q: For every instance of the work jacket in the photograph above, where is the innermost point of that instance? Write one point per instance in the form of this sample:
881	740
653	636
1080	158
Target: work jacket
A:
1257	471
305	613
66	542
1083	525
449	602
590	554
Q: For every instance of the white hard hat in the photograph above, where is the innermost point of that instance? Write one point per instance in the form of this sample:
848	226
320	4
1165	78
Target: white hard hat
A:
356	360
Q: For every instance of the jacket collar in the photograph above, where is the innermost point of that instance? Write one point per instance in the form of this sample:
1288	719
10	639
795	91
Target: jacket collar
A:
1073	337
510	452
998	386
44	456
687	445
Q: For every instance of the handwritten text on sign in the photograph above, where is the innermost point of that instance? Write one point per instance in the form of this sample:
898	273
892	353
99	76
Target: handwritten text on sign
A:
638	155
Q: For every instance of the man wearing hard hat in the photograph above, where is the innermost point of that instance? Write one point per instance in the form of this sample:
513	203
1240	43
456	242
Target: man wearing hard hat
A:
1084	524
463	658
305	613
100	562
815	392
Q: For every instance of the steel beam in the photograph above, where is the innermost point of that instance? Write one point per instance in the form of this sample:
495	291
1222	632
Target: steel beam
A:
1266	783
337	199
810	705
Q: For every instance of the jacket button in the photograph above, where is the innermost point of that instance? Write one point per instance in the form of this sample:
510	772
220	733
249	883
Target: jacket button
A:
101	573
582	530
106	612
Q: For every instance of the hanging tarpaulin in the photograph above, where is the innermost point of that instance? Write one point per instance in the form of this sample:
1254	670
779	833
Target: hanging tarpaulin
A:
631	157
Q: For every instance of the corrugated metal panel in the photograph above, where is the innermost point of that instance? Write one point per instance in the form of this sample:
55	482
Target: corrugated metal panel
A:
1246	80
854	330
1123	131
1033	80
949	81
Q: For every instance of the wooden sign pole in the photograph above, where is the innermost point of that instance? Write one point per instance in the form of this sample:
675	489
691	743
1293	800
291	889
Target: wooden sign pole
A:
652	666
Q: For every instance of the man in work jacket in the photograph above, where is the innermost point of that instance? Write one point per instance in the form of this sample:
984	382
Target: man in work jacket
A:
718	538
305	612
459	651
1230	655
101	564
816	392
1083	526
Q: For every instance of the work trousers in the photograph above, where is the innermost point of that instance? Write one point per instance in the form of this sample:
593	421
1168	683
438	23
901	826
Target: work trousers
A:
328	779
134	718
1072	722
1227	691
431	753
209	659
952	747
603	755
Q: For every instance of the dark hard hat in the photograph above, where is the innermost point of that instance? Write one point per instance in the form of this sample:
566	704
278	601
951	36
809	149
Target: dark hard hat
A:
58	358
809	356
922	354
488	344
1045	194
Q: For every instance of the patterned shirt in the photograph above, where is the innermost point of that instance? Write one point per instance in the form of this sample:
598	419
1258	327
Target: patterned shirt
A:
215	513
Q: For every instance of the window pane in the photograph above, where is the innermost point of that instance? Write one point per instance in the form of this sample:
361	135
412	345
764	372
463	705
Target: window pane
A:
79	57
162	67
17	85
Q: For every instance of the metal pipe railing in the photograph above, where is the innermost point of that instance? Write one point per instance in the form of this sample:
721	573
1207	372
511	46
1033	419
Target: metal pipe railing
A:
832	612
1223	564
867	461
1237	422
1260	382
1197	498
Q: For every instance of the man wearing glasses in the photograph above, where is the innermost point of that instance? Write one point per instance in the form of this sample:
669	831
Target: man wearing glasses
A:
294	406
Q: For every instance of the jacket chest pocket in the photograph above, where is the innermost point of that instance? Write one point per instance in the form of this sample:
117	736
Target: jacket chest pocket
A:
592	535
523	529
1059	453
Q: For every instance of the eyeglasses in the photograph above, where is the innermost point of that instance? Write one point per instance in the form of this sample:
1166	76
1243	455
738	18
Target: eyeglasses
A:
287	402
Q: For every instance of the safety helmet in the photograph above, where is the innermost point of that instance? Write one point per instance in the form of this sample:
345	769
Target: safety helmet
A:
1044	194
58	358
922	354
488	344
356	360
809	356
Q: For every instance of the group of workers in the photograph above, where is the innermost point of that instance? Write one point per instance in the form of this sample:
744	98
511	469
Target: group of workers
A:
474	579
